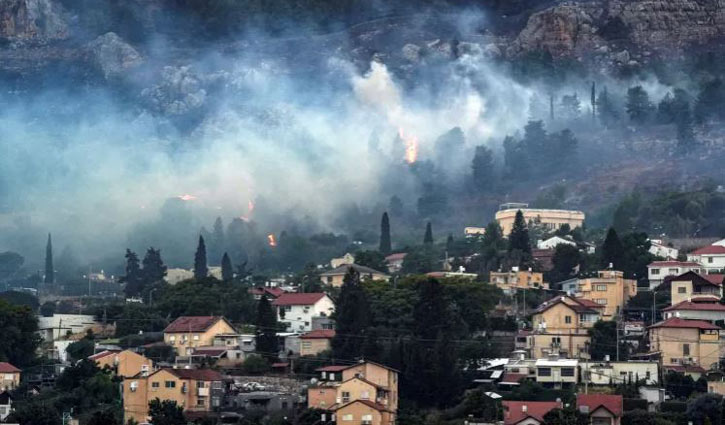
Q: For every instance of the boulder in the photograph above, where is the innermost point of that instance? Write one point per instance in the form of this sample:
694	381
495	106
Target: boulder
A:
112	56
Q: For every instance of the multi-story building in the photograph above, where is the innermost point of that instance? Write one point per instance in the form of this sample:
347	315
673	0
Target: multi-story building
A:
711	257
692	286
10	376
609	289
557	373
315	342
602	409
298	310
560	327
124	363
657	271
364	393
710	311
613	372
197	391
189	332
658	248
550	219
682	342
515	279
336	276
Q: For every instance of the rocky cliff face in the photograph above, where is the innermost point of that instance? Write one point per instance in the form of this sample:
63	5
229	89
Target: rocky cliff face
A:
32	20
574	28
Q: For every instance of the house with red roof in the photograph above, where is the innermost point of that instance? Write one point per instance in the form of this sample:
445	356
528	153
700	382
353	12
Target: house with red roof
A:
315	342
685	342
711	257
657	271
297	310
270	292
696	309
189	332
602	409
691	286
527	412
9	376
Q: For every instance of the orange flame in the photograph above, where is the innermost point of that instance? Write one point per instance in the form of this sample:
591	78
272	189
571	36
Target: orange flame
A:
272	240
411	147
187	197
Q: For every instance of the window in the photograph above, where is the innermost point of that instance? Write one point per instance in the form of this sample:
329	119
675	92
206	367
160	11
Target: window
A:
710	259
556	340
329	280
601	288
170	384
647	375
196	337
347	417
215	402
345	396
567	371
172	338
544	371
155	385
284	404
681	290
365	395
601	301
306	345
288	308
567	319
655	272
515	370
323	417
199	384
332	376
200	402
324	375
685	349
9	376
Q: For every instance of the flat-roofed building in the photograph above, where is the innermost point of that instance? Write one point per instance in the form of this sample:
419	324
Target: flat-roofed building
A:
549	218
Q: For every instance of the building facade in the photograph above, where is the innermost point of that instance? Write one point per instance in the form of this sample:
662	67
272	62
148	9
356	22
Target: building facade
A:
516	279
609	289
548	218
124	363
189	332
681	342
315	342
298	310
336	276
657	271
10	376
693	286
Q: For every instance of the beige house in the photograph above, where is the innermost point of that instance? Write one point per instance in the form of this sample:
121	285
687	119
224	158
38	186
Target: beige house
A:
197	391
10	376
517	279
560	327
682	342
336	276
557	373
364	393
609	289
602	409
315	342
189	332
691	286
548	218
613	372
125	363
345	259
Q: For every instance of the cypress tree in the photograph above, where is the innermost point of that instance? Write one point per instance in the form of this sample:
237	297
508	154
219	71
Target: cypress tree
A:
154	269
612	250
227	272
266	329
352	318
519	237
428	238
200	269
385	244
133	278
49	271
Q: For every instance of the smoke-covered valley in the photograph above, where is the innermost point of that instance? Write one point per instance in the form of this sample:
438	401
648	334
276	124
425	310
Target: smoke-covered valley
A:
120	141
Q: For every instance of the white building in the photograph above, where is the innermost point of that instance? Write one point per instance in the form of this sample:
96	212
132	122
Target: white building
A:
174	276
710	311
606	373
59	325
344	260
553	242
297	310
711	257
658	248
657	271
557	373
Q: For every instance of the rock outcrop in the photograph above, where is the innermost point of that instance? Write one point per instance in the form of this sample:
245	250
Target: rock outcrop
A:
112	56
180	91
32	21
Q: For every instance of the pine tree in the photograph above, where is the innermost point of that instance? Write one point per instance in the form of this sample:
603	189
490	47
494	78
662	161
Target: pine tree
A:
482	167
352	318
606	110
266	329
49	270
200	269
428	238
430	312
154	269
519	236
612	251
639	106
385	244
227	271
683	119
134	277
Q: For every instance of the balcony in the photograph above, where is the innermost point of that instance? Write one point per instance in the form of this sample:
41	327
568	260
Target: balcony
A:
202	392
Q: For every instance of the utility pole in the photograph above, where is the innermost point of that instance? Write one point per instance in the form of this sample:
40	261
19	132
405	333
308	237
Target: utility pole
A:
617	330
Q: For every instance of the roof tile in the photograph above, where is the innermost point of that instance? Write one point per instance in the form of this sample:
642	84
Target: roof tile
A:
613	403
192	324
299	299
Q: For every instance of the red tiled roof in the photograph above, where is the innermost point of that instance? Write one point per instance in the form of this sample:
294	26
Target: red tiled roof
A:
613	403
279	365
6	367
102	354
275	292
298	299
714	278
396	257
514	410
186	324
683	369
196	374
210	351
512	378
709	250
377	406
689	305
333	368
676	322
588	303
319	334
673	264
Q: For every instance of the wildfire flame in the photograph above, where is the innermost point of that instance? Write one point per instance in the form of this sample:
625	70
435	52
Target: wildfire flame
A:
187	197
272	240
411	147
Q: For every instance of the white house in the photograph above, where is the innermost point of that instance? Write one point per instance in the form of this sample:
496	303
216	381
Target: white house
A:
606	373
657	271
345	259
6	405
710	311
297	310
553	241
557	373
658	248
58	325
711	257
